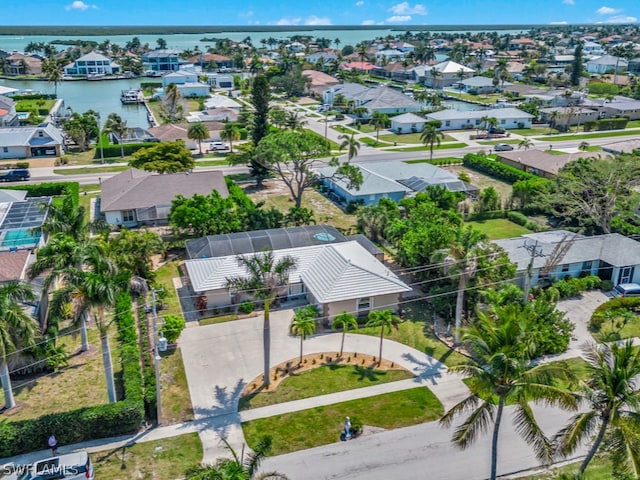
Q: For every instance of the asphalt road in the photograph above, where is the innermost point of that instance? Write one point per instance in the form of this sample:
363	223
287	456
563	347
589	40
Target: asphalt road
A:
416	453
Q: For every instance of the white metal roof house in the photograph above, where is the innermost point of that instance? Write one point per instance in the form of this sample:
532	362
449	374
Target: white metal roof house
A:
479	84
377	99
43	140
508	118
408	123
394	180
136	197
612	257
92	63
448	74
335	277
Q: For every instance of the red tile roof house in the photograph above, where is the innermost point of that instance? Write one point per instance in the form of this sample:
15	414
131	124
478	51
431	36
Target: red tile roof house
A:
135	197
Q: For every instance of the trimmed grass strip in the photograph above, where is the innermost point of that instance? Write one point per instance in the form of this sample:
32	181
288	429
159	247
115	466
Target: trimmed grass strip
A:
322	425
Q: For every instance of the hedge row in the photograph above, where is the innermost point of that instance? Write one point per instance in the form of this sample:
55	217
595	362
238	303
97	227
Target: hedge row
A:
111	151
522	220
495	169
575	286
51	190
88	423
606	124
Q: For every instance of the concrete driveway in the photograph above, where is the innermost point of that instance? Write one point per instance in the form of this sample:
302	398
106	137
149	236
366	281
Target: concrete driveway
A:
579	310
221	359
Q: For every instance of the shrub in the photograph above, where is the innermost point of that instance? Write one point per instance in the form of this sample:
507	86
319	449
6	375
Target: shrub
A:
517	218
246	307
570	287
110	151
173	326
606	285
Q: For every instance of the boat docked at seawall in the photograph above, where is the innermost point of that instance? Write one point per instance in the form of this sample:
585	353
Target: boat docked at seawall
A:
132	96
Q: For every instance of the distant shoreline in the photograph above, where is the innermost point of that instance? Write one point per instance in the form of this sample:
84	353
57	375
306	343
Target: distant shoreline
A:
177	29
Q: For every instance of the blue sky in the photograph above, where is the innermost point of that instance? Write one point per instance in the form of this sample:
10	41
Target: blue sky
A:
326	12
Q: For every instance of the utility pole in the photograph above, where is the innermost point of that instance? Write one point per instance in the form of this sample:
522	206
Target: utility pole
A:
535	250
156	359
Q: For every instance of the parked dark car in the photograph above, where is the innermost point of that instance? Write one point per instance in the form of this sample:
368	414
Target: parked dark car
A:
503	147
15	175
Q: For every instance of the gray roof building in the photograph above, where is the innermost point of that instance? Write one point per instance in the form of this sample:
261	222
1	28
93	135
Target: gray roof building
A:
499	113
31	136
136	189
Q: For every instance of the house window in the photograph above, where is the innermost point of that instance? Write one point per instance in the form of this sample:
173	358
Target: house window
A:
586	266
447	123
364	304
565	267
128	216
5	149
502	122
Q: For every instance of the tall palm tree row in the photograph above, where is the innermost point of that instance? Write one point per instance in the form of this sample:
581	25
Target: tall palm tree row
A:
501	373
17	330
266	277
612	400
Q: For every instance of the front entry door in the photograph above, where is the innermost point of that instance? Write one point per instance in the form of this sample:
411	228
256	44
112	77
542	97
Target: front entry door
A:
626	275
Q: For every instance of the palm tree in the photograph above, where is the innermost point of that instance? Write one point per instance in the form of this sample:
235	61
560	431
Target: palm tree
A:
461	259
294	121
265	278
197	131
230	132
525	143
115	124
237	468
53	71
613	397
501	373
379	120
583	147
385	319
303	324
431	136
351	144
17	330
434	73
172	100
345	321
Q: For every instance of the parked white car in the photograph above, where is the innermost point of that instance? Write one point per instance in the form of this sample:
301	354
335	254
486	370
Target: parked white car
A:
219	146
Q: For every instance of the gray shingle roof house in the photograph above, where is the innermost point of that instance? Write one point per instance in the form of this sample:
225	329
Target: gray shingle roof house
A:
8	115
335	276
377	99
408	123
136	197
542	163
612	257
393	180
43	140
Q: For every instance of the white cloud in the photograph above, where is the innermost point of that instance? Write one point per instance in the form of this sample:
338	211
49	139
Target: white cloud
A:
314	20
368	22
288	21
569	2
561	22
359	3
246	14
399	18
622	19
79	5
405	9
607	11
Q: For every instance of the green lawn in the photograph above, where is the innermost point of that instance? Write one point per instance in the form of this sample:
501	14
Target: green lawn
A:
598	469
89	170
211	163
438	161
617	331
586	136
321	381
34	105
176	400
410	138
343	129
444	146
488	99
496	142
418	334
371	142
498	228
164	277
527	131
165	459
322	425
66	389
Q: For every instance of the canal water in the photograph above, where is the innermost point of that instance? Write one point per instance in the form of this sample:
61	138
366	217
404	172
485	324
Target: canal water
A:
103	96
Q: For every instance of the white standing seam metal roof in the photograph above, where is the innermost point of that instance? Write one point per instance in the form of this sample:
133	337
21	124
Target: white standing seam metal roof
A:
27	136
331	273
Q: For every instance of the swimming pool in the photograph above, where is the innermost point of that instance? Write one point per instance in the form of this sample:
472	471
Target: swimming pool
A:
20	238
